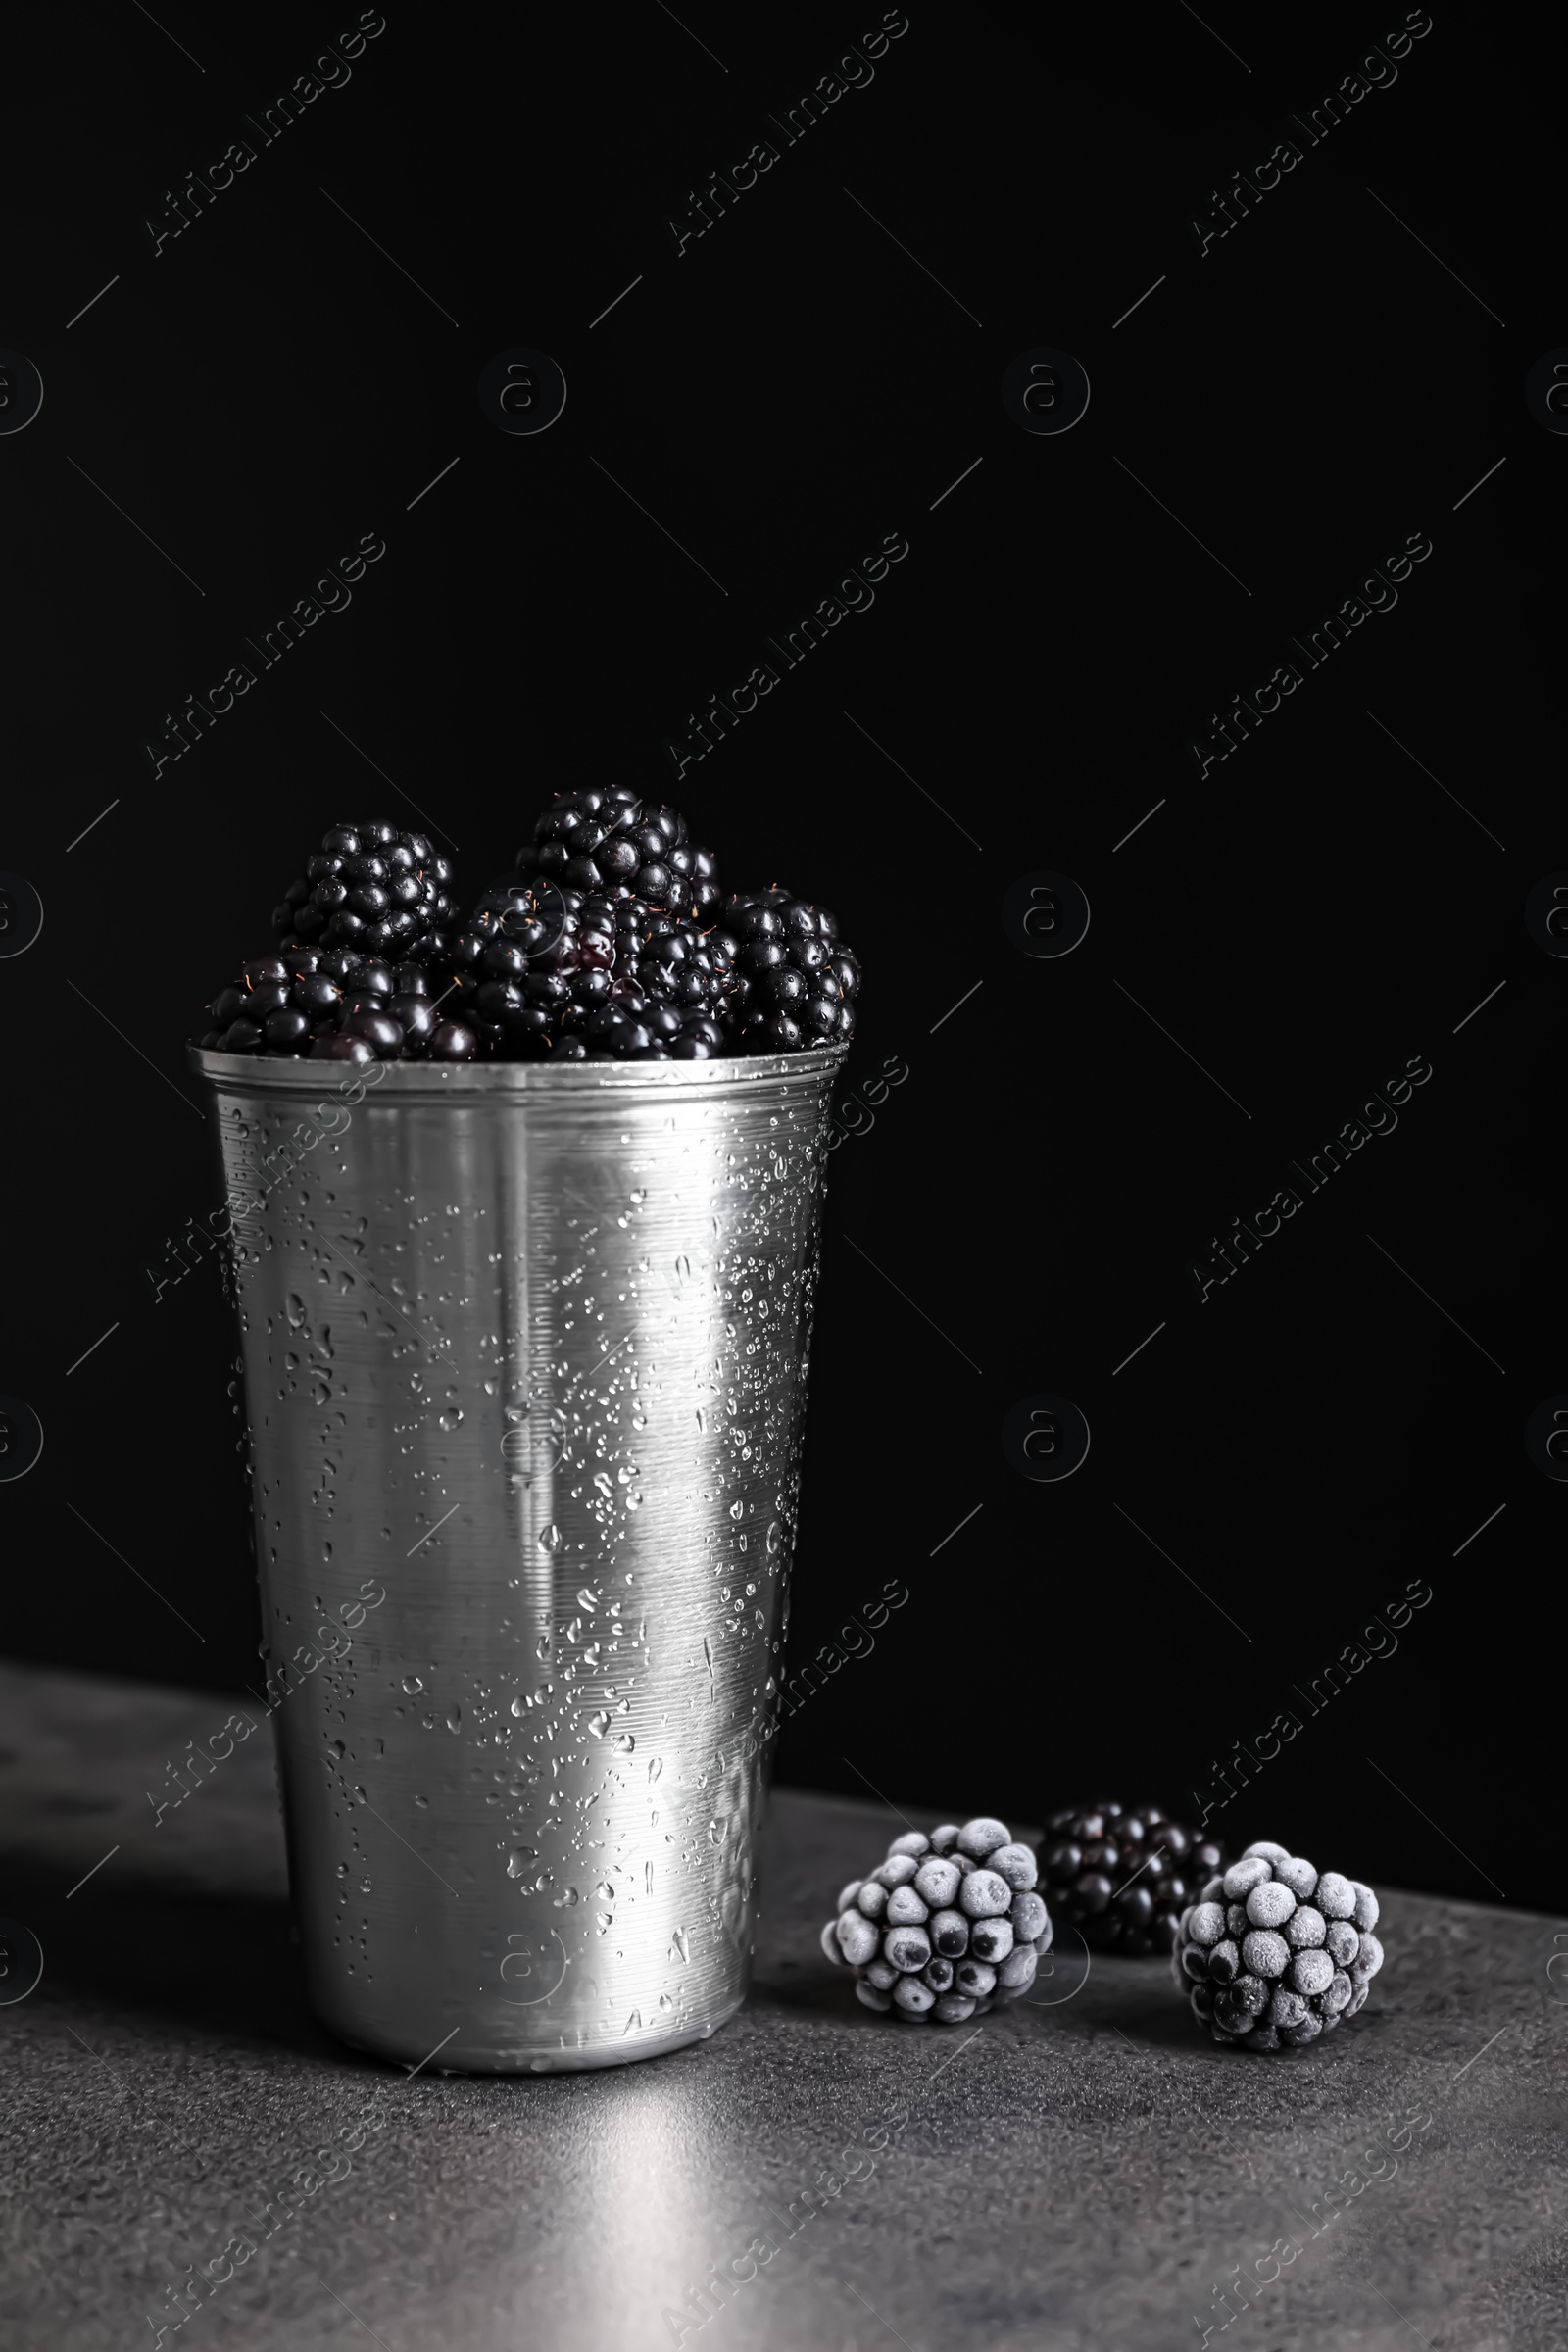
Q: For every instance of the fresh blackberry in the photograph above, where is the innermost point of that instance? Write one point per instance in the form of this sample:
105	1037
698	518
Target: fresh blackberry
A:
1273	1953
541	964
374	889
1122	1875
336	1005
796	981
610	934
945	1926
533	958
506	961
595	841
684	962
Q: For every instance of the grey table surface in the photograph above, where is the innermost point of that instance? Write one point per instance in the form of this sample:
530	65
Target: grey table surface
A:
1079	2171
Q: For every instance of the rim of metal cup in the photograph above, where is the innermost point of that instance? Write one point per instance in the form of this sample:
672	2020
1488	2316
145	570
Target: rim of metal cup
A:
294	1075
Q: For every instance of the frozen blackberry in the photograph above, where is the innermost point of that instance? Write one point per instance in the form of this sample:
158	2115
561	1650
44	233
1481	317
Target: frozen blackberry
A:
595	840
796	981
336	1005
1122	1875
374	889
944	1927
1273	1953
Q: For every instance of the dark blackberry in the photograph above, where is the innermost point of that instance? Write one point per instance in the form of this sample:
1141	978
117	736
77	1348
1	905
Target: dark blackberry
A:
323	1002
541	962
796	981
374	889
945	1926
1273	1952
1123	1875
686	962
595	840
517	959
610	932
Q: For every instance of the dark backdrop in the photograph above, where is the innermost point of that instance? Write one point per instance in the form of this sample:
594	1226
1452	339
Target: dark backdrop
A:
1282	935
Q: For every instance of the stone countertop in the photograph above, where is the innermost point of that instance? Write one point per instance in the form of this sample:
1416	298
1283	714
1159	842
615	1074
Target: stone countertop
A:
1077	2170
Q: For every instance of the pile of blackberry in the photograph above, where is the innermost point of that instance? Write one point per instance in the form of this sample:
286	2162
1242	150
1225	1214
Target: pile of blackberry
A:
374	890
1274	1952
1123	1875
336	1005
548	970
608	940
946	1926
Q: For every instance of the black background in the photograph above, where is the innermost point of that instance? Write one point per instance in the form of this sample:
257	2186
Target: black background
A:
785	392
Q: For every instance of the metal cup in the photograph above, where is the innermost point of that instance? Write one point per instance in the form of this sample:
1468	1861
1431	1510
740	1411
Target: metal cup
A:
524	1355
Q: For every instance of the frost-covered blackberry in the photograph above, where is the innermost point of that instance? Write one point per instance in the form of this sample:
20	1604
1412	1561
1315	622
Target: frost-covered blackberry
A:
946	1926
1274	1953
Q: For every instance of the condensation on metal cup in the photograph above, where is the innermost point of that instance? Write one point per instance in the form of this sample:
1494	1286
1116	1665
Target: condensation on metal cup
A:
524	1351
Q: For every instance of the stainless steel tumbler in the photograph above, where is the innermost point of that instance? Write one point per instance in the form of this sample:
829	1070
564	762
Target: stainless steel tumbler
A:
525	1355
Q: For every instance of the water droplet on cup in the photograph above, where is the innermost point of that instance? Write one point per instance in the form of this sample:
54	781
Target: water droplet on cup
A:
450	1418
412	1684
551	1539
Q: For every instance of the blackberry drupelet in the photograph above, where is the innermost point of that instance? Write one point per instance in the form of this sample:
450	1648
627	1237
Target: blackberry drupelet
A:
945	1926
1274	1953
595	840
1122	1875
374	889
336	1005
